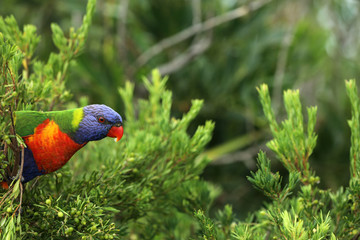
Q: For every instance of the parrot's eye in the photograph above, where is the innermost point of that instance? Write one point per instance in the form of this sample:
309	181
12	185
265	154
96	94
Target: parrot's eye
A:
101	120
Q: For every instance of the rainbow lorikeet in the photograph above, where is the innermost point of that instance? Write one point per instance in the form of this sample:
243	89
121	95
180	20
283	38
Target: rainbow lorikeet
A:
52	138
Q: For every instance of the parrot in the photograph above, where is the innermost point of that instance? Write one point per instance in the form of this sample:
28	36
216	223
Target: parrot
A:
53	137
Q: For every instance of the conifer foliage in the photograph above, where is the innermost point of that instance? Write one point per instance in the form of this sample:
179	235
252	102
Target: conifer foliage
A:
147	186
143	187
300	209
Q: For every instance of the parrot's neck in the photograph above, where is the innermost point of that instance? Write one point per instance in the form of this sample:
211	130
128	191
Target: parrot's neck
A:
50	147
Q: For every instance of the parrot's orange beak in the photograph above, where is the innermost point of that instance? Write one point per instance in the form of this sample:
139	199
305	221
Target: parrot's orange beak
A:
116	132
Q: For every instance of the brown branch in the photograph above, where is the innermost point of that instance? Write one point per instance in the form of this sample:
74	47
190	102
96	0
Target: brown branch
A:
34	183
180	61
20	179
52	104
14	145
5	68
198	46
3	200
12	77
305	166
4	197
246	156
198	28
22	162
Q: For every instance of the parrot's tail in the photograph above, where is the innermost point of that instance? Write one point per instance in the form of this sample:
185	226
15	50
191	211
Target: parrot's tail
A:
4	185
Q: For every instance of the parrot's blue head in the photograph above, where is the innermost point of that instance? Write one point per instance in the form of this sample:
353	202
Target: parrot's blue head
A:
98	122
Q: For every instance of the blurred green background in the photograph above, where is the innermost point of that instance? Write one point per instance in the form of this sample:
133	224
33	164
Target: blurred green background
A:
219	51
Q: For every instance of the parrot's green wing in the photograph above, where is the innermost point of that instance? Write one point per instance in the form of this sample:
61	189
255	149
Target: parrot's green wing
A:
67	120
27	121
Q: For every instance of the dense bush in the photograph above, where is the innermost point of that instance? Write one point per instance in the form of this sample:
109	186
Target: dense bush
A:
147	186
307	45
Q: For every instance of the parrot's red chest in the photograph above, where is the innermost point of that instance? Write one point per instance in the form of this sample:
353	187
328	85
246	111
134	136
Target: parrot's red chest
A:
50	147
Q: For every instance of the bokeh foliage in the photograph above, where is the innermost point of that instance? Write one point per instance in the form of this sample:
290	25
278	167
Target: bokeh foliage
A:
140	184
145	187
311	45
28	84
286	44
299	209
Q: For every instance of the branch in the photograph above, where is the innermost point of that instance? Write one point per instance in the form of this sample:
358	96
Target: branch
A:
198	46
198	28
22	163
14	146
177	63
20	183
224	153
245	156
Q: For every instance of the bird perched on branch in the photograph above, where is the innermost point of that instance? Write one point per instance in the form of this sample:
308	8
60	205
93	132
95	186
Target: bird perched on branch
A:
52	138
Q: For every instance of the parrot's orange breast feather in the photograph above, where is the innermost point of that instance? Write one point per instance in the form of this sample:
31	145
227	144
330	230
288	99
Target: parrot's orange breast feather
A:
51	148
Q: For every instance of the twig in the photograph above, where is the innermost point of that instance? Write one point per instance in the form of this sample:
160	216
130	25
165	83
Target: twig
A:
20	178
12	77
14	145
34	183
244	156
52	104
198	46
21	195
22	162
233	145
4	197
198	28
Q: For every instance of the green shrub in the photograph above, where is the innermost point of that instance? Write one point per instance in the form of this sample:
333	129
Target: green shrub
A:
147	186
298	209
